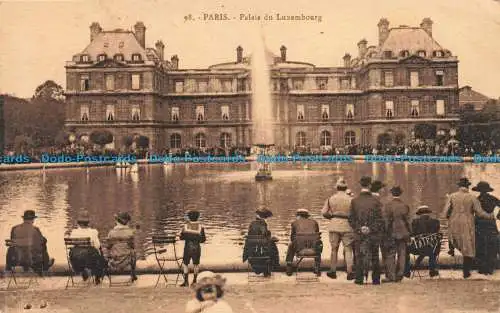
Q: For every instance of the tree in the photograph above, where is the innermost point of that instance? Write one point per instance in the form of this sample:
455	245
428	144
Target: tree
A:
425	131
101	137
49	90
142	142
127	141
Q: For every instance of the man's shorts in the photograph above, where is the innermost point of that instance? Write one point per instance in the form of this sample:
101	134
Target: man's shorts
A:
346	238
191	252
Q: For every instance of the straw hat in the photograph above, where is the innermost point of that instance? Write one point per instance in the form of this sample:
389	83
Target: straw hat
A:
208	278
423	209
341	183
303	212
482	186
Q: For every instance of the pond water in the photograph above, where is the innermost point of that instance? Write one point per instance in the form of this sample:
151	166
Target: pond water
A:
226	194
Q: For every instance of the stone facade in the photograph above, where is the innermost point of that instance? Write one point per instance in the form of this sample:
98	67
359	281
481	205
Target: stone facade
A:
118	85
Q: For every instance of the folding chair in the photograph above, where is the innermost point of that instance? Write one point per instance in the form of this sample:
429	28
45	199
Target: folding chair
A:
420	247
306	244
70	243
23	279
164	254
118	266
259	252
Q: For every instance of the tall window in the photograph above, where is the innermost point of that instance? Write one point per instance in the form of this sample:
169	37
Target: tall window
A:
325	138
179	86
389	79
300	112
84	82
389	109
110	82
345	83
300	139
175	141
439	78
350	138
440	107
422	53
136	81
298	84
84	112
325	111
414	81
200	140
101	57
322	83
175	114
200	113
349	111
414	110
110	112
225	112
136	57
225	140
85	58
227	85
202	86
119	57
136	112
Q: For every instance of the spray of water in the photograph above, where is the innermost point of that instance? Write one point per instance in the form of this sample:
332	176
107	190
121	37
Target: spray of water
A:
261	93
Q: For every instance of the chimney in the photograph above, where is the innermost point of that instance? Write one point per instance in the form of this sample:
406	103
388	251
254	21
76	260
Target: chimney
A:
427	25
175	61
95	29
283	53
362	47
160	48
347	60
239	54
140	33
383	30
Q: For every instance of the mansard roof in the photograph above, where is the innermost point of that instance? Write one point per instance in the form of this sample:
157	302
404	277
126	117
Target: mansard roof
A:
411	39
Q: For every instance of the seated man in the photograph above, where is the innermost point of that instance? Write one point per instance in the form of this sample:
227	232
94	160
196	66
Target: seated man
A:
303	225
424	225
29	248
84	259
120	245
259	243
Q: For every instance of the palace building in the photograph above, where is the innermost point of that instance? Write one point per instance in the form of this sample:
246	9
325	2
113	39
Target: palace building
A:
381	93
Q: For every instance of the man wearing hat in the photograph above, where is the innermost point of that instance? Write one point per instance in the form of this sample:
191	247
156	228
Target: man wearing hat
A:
303	225
260	243
461	207
30	250
365	218
425	225
84	259
397	220
121	245
336	209
193	235
486	230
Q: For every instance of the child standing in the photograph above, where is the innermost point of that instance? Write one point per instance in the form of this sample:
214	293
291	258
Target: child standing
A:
193	234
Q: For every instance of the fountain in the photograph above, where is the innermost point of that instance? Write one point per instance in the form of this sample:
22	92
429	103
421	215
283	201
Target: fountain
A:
263	132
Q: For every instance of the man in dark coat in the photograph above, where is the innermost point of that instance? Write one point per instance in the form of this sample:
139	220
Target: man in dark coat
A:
425	225
366	220
29	248
260	243
304	226
397	221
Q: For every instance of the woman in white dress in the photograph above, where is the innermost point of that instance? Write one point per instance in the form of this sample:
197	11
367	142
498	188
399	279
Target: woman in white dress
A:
208	295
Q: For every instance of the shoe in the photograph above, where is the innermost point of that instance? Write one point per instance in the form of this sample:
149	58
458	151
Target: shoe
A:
195	277
186	280
351	276
289	270
433	273
466	275
332	275
134	278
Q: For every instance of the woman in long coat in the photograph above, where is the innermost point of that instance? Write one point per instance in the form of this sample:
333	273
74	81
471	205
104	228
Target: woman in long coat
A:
461	207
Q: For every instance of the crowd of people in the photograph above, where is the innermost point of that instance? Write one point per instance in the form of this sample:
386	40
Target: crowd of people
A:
362	223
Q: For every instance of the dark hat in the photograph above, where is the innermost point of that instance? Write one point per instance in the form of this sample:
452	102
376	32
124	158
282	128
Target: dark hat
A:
365	181
29	215
423	209
264	213
193	215
303	212
396	191
123	218
482	186
464	182
376	185
83	216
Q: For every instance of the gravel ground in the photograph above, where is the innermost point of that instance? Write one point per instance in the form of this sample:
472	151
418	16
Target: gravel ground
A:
449	295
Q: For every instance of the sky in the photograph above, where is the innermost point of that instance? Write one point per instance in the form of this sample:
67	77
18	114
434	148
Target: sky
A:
38	37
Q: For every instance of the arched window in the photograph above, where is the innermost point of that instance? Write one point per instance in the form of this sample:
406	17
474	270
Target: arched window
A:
175	141
350	138
300	139
325	138
200	140
225	140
